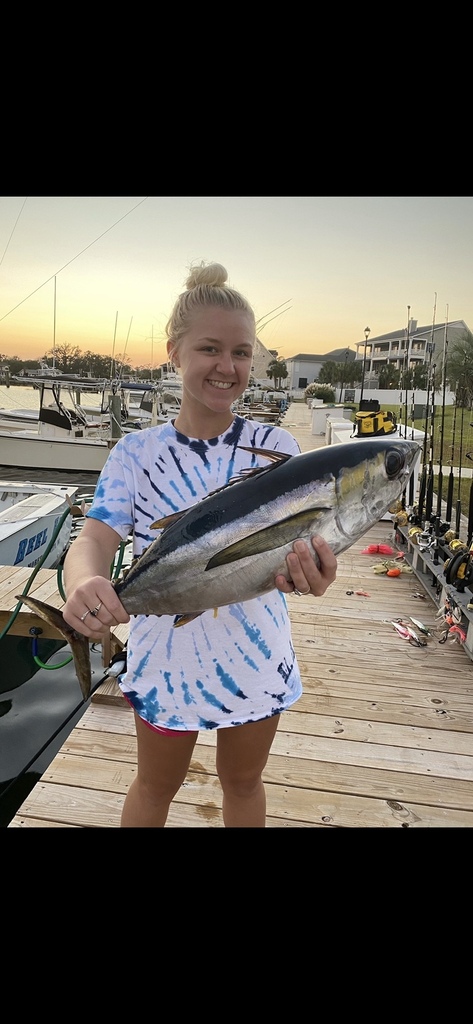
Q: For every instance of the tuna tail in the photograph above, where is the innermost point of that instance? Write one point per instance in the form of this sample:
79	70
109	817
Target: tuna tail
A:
79	644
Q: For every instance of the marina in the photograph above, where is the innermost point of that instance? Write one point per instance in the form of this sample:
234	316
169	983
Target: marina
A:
381	738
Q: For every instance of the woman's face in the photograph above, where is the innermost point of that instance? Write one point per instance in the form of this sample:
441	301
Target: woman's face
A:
215	357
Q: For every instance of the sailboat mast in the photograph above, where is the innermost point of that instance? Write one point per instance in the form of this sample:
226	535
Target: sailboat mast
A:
54	328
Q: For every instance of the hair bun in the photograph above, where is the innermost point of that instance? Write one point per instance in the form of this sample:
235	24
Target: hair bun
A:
211	274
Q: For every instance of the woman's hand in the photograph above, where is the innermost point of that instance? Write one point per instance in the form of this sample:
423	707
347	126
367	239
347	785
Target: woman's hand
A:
94	607
305	576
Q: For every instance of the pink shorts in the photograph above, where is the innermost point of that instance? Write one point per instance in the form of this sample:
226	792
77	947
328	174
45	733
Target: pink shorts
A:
161	728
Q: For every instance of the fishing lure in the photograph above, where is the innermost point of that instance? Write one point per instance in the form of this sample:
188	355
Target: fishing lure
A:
457	634
420	625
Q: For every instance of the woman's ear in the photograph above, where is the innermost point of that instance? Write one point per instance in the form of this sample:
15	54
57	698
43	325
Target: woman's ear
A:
172	354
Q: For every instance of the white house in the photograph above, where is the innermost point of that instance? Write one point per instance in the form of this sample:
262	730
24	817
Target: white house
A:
405	348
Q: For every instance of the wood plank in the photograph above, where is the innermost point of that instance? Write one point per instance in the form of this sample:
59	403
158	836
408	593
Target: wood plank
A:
285	767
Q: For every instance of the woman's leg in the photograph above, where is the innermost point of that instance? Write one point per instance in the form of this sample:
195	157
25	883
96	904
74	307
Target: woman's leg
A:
242	753
163	762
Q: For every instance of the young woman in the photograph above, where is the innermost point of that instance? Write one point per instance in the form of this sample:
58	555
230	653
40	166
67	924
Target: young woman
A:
235	671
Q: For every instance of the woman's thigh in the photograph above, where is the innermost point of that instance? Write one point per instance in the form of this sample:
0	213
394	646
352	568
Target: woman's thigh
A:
242	750
163	759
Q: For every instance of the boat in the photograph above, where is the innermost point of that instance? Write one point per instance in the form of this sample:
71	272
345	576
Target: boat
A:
30	523
64	437
66	432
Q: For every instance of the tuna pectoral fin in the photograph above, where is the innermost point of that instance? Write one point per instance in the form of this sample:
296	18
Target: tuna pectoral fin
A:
79	644
275	536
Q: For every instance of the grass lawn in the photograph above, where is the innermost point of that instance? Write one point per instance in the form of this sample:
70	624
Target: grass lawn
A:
452	433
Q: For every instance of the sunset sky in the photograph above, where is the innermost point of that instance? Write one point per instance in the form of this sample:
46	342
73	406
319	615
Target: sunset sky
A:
316	269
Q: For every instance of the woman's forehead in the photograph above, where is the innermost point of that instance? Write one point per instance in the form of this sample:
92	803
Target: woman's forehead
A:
223	323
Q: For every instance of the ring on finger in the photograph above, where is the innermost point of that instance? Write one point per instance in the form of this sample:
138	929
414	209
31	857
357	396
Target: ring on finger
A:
97	608
84	616
301	593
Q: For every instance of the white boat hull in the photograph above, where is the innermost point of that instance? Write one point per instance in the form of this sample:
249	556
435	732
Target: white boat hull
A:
29	516
29	450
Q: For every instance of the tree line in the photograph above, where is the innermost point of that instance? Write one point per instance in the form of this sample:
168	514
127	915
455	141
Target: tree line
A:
347	373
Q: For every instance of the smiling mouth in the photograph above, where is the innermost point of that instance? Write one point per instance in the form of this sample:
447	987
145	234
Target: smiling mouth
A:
222	385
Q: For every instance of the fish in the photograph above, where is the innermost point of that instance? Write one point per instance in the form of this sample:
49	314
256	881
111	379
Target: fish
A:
229	546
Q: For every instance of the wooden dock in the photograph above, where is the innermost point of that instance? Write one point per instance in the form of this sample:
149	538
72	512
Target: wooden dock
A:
381	738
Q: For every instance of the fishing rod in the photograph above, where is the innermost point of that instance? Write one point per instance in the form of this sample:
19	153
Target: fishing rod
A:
442	420
460	459
451	478
423	479
429	494
411	479
401	403
406	370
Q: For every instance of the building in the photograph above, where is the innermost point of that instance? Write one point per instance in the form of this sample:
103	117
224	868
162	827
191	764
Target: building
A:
405	348
304	369
262	357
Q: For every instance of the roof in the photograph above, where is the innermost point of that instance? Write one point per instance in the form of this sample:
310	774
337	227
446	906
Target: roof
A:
336	356
414	332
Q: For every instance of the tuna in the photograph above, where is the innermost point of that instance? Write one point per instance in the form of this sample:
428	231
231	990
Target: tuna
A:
230	546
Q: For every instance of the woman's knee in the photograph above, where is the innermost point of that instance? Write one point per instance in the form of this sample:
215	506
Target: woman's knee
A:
239	783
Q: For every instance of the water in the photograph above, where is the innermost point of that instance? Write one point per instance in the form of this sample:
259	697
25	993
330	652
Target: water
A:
39	707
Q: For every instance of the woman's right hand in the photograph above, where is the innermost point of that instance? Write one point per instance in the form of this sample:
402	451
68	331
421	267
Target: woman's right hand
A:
94	607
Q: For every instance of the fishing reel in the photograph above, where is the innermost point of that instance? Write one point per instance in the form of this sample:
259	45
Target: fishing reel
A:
422	538
458	570
414	533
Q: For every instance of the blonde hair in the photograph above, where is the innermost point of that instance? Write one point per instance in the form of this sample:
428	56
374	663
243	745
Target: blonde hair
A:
205	286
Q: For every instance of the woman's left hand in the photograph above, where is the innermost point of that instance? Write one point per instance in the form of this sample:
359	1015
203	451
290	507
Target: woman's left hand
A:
305	576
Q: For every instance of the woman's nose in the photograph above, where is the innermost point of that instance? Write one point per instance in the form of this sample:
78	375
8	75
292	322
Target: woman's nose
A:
225	362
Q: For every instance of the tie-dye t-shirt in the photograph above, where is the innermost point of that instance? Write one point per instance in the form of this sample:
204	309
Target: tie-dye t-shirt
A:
221	669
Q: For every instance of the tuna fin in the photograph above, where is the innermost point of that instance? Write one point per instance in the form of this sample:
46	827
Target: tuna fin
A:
182	620
275	457
267	453
79	644
268	539
161	524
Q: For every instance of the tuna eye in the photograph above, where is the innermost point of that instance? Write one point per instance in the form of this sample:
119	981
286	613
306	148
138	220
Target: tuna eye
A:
393	462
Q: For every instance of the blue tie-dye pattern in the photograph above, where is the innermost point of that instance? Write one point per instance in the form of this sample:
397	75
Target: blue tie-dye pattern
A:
285	670
188	698
206	724
185	476
146	706
251	641
228	682
167	680
177	723
200	478
252	632
246	658
211	699
146	515
278	619
164	497
280	697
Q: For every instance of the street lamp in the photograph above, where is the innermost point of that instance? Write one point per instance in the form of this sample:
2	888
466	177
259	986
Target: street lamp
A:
344	367
367	333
